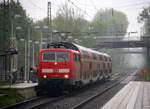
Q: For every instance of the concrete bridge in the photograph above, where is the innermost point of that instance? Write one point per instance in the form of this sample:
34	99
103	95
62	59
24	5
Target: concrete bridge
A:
121	42
132	42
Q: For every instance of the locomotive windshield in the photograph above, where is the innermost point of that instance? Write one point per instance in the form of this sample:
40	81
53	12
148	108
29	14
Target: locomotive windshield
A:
55	56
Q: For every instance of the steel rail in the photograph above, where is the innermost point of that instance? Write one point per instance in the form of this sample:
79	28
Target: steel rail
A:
34	103
81	104
47	102
21	103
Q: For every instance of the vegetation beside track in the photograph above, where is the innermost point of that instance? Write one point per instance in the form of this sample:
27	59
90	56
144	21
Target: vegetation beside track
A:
146	76
143	75
4	83
116	69
11	96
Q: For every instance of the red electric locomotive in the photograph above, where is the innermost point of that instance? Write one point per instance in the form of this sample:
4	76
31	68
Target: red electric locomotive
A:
64	65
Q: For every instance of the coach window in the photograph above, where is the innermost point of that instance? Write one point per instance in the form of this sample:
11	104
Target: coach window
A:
85	54
90	65
100	57
94	57
77	57
108	64
105	59
104	65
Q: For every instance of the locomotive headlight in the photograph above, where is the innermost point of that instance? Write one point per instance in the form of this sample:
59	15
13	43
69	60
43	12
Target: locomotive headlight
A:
45	76
66	76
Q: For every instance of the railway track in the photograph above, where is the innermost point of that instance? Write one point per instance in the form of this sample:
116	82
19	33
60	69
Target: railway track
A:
115	85
39	106
86	101
67	103
34	103
40	102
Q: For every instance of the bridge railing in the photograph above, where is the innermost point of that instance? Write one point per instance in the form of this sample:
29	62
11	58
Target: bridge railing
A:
116	39
123	42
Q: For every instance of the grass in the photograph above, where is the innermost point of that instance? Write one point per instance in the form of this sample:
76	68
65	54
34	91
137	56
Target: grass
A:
11	98
146	76
116	69
143	76
4	83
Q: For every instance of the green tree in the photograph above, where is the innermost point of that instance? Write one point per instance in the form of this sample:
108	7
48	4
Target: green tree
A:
70	20
144	16
67	20
12	14
110	22
14	22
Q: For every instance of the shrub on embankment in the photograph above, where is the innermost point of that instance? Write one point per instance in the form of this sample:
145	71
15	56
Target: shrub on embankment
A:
9	96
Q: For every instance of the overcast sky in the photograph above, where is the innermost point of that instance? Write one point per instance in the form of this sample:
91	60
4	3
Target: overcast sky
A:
37	9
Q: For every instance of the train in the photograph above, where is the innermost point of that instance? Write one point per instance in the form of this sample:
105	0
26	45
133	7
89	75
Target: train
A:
65	66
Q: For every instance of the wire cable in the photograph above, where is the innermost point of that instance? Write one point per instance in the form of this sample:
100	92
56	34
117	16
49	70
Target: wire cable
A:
79	8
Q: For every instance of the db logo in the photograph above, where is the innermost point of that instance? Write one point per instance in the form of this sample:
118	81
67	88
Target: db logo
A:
55	70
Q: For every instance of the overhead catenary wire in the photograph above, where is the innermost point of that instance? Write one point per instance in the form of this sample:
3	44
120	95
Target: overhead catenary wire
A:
119	5
78	5
79	8
34	5
93	5
135	4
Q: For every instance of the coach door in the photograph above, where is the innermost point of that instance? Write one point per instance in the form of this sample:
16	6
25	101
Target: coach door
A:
77	65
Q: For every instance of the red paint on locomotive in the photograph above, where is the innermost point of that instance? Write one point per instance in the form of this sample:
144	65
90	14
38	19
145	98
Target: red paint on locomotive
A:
56	68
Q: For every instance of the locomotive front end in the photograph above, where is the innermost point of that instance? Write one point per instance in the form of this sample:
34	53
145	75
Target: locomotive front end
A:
55	68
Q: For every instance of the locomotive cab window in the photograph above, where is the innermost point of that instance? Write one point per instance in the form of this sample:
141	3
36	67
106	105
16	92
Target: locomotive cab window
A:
56	56
49	56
